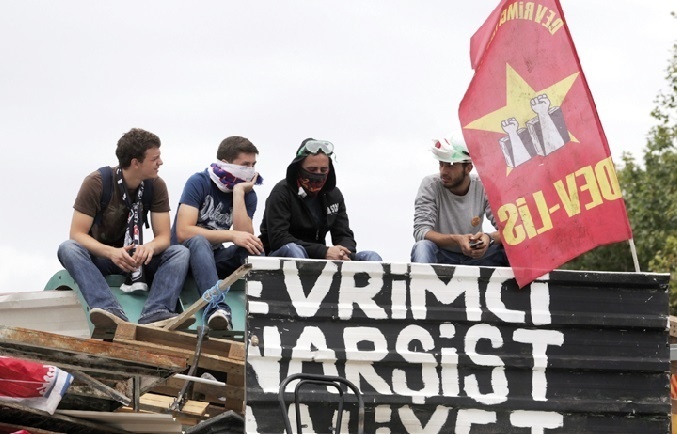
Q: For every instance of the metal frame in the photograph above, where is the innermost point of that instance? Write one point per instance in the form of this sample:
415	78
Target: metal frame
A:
321	380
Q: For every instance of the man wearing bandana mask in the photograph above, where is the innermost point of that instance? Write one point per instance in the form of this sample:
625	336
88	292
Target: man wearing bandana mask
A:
304	206
216	207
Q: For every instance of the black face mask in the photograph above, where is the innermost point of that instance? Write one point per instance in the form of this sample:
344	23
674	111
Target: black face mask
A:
311	182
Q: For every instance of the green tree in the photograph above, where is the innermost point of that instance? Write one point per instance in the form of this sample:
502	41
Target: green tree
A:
650	192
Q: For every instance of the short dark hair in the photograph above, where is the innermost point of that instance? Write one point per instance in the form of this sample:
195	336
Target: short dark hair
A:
231	147
134	144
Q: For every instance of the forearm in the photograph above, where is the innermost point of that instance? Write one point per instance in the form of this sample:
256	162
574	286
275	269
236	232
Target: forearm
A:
444	240
214	236
159	243
93	246
241	220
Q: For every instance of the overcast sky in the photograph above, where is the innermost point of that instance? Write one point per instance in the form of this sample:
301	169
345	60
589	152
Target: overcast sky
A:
379	79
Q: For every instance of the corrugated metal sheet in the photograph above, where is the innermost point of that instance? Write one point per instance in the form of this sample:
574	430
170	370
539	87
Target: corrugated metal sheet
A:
457	349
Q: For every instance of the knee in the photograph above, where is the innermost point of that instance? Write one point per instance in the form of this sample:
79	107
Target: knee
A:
292	250
422	250
197	242
242	254
68	249
178	253
368	255
425	245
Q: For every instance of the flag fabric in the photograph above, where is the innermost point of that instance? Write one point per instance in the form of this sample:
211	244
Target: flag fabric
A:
534	136
32	384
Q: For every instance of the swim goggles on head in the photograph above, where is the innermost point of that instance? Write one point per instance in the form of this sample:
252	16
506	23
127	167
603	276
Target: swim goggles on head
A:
315	146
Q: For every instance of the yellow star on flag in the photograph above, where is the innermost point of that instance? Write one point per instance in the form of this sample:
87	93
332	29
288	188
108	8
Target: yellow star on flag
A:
518	102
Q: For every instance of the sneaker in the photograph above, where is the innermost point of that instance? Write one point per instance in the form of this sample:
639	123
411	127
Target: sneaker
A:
134	287
220	320
104	319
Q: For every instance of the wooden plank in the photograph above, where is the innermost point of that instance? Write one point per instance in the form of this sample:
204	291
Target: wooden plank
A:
207	361
178	340
192	310
91	354
105	390
235	381
215	410
237	406
211	393
161	403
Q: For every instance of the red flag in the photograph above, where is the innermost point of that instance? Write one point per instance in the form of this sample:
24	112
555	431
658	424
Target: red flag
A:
533	134
32	384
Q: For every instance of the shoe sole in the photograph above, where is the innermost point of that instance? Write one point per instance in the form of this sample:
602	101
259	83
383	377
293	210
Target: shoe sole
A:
220	323
103	319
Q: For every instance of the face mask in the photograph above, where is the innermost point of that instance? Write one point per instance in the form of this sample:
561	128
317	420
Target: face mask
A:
226	175
311	182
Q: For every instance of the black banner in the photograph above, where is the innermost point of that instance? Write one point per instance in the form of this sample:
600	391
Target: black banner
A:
436	349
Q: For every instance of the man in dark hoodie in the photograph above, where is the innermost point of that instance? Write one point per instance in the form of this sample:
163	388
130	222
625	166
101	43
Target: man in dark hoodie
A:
304	206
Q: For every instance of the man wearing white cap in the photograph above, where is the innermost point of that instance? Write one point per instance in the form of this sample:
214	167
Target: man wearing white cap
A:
449	212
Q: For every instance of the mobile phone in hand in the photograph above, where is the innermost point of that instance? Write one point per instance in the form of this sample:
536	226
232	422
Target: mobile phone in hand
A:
476	244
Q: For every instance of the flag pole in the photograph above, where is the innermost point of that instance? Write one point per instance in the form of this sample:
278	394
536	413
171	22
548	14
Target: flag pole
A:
631	241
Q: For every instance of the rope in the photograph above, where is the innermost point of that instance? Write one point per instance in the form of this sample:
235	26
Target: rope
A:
213	296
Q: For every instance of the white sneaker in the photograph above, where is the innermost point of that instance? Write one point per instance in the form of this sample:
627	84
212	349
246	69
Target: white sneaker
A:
220	320
134	287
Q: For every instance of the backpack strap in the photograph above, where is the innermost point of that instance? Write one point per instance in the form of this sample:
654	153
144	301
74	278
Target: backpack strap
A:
107	183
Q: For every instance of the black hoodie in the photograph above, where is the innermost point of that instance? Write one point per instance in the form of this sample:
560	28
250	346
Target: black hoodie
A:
287	217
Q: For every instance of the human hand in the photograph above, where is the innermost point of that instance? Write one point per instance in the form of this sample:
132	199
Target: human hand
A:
143	254
510	126
540	104
245	187
474	245
120	256
338	253
249	241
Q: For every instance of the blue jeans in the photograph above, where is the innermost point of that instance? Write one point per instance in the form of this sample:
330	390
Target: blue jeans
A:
208	265
292	250
427	252
166	270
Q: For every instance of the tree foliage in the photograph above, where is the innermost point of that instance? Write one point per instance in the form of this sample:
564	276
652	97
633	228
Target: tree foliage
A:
650	193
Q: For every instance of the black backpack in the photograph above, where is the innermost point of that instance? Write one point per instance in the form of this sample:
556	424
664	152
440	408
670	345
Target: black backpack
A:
107	181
